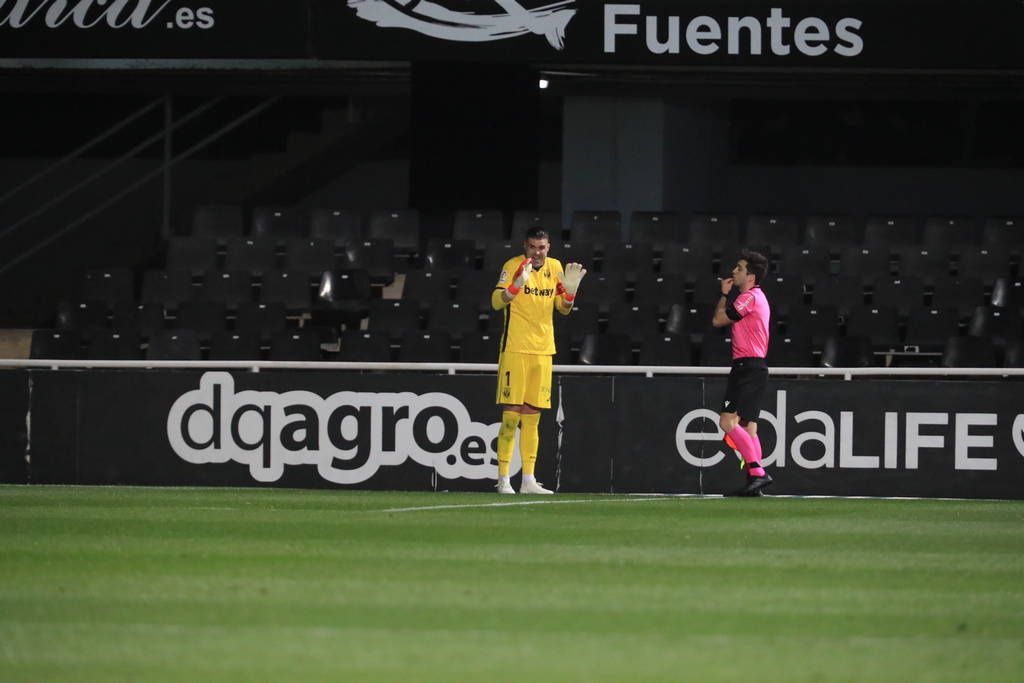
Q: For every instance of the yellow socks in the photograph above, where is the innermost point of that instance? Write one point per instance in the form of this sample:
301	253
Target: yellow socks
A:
507	441
529	439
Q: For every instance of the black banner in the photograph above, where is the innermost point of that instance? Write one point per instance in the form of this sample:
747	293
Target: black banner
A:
845	34
13	426
620	434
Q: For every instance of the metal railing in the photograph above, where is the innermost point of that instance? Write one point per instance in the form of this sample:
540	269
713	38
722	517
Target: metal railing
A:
477	368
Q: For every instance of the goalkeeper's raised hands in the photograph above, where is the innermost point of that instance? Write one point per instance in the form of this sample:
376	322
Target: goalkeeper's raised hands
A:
569	280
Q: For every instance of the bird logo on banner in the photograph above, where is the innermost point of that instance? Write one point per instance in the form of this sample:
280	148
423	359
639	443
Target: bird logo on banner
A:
436	20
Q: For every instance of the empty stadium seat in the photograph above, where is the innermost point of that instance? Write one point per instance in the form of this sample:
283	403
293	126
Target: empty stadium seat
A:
431	285
804	263
479	226
931	263
720	232
903	293
364	347
445	253
205	318
659	290
394	317
778	231
401	227
666	349
235	346
690	262
220	222
338	226
313	256
630	259
605	289
474	287
817	322
840	291
634	321
290	289
251	255
350	297
657	228
144	320
969	352
522	221
1003	233
481	347
1000	325
278	224
167	288
782	289
601	228
194	254
260	320
950	233
1013	354
454	319
111	286
110	345
790	351
890	231
959	293
295	345
864	262
606	349
984	263
177	344
426	347
55	345
376	257
233	290
879	324
847	352
581	321
85	319
929	328
576	252
497	253
833	231
716	349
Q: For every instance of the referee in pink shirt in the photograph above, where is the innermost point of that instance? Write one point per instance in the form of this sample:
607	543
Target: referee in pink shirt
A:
744	306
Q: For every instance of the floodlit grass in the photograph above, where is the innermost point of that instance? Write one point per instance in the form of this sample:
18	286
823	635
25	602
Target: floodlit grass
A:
133	584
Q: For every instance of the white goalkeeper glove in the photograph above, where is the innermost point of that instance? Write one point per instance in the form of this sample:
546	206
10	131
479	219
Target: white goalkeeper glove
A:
522	275
569	281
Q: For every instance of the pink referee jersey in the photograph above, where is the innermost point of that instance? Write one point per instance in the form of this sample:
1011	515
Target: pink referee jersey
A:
750	332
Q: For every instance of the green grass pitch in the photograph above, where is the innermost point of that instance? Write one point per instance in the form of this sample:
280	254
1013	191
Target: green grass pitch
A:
135	584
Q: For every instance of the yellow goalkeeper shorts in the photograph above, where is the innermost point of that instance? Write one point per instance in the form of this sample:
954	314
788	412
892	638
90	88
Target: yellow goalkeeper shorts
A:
524	378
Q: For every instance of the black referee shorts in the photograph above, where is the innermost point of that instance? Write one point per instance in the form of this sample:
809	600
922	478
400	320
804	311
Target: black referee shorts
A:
744	392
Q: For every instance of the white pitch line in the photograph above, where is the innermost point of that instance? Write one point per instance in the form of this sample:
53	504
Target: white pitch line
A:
524	503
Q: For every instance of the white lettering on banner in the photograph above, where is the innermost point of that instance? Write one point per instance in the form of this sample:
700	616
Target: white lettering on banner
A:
348	435
86	14
1018	434
436	20
816	446
916	440
965	441
683	435
811	36
827	438
847	460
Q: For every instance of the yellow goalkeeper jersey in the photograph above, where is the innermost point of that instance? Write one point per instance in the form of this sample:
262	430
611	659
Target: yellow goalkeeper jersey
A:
529	325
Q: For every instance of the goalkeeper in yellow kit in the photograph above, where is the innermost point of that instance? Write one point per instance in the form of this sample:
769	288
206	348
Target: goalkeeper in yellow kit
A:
529	288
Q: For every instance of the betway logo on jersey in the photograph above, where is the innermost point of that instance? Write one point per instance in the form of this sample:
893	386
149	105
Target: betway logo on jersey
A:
822	441
495	20
348	435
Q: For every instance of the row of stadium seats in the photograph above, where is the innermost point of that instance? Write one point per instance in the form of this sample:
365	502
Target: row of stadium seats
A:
260	255
440	347
607	227
297	290
888	328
